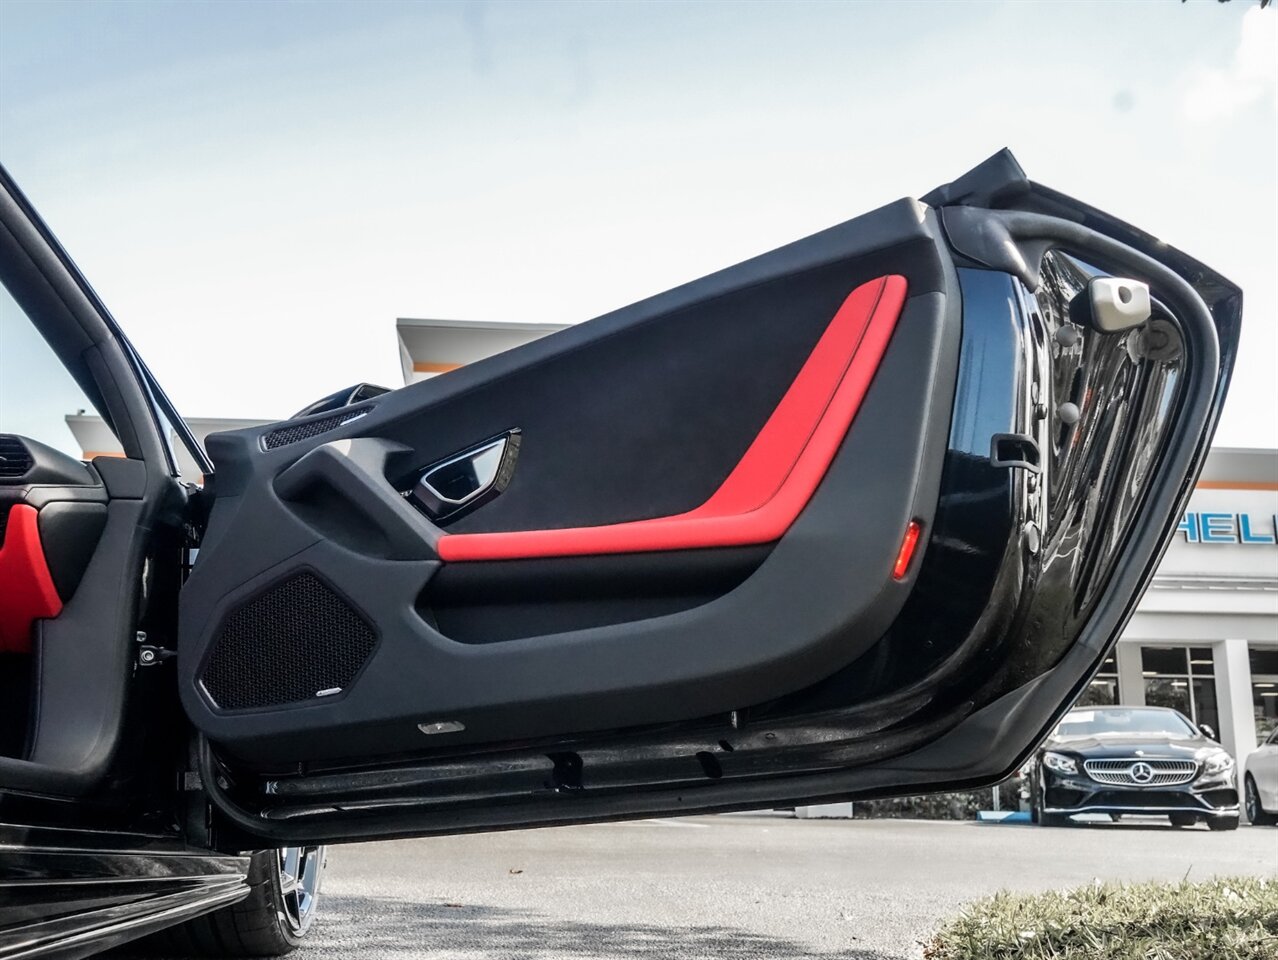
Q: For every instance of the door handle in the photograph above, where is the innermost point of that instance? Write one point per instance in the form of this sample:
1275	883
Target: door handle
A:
465	480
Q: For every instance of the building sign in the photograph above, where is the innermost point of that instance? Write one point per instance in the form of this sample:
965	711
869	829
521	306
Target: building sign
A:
1248	528
1226	534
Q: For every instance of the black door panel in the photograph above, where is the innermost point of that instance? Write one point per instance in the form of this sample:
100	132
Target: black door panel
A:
495	693
742	626
979	461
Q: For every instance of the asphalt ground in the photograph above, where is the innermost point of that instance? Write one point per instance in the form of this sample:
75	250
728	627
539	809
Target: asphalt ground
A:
728	887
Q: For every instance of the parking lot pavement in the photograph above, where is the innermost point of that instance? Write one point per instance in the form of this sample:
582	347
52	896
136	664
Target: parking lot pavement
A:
727	887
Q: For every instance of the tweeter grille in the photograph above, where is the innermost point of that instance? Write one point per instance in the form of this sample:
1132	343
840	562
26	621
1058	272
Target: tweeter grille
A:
312	428
295	641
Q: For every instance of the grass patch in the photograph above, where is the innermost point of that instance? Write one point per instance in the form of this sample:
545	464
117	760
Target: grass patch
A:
1224	919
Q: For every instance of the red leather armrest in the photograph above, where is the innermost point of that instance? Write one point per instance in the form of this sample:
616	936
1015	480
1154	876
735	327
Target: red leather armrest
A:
777	475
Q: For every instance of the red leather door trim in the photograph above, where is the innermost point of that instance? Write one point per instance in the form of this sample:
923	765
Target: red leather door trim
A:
27	592
776	476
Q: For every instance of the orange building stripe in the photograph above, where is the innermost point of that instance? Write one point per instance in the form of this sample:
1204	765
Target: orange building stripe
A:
421	366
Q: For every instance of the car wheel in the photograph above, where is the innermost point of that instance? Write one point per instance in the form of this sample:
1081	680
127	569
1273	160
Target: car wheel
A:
271	921
1251	799
1222	823
1182	819
1052	820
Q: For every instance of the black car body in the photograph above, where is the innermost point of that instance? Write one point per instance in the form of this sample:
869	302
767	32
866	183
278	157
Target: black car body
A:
1134	761
858	517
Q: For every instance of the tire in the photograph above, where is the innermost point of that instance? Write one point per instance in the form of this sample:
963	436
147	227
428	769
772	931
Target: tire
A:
1222	823
1182	819
270	922
1036	811
1256	814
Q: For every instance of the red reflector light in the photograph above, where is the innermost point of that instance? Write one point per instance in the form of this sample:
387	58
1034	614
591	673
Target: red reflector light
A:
908	544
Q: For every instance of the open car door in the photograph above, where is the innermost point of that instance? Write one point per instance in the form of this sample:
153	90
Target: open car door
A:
859	516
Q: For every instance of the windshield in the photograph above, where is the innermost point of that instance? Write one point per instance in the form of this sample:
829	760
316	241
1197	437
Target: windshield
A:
1091	723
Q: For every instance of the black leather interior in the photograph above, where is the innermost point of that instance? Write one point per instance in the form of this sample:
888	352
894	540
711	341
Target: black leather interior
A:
639	413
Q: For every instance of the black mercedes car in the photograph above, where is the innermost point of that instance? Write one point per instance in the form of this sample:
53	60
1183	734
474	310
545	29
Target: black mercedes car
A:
857	517
1133	760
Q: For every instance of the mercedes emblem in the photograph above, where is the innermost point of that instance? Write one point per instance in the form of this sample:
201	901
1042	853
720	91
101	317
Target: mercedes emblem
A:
1140	772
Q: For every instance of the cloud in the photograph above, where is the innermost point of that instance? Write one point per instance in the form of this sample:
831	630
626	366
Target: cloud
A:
1217	94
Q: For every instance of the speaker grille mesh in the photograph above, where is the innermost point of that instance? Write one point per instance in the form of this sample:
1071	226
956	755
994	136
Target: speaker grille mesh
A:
286	645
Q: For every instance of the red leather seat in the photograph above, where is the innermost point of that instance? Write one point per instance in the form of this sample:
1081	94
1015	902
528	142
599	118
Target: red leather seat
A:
27	592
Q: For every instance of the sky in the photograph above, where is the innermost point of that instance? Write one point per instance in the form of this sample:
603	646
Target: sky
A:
258	190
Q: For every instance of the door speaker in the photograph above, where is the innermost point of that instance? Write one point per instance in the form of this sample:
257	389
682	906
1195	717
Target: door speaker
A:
295	641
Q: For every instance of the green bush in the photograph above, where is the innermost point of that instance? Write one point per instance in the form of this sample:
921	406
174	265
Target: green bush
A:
1223	919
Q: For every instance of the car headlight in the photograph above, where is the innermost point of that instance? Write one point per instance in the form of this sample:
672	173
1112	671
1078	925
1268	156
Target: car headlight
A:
1218	763
1060	763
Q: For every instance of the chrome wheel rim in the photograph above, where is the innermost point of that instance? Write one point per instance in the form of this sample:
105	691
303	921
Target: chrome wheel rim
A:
299	880
1252	801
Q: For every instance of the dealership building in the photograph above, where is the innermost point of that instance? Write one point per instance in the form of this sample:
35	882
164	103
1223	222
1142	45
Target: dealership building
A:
1204	638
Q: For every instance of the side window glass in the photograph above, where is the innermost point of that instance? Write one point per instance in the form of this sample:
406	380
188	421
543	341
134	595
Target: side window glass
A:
39	398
